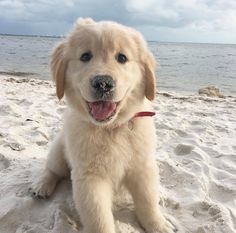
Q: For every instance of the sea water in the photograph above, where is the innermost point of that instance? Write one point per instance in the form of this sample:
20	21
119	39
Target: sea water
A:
182	67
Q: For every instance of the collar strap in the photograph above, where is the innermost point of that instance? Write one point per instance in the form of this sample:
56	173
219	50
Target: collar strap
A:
139	114
144	114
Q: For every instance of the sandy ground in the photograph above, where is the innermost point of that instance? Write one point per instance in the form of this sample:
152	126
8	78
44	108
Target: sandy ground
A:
196	151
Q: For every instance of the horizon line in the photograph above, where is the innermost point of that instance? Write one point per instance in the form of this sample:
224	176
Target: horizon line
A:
62	36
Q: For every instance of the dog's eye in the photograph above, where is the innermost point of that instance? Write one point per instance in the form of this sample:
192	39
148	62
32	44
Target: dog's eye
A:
85	57
121	58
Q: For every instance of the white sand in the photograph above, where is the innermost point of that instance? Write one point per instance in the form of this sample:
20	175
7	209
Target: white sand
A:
196	149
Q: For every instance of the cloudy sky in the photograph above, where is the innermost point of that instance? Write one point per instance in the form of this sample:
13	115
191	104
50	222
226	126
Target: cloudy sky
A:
212	21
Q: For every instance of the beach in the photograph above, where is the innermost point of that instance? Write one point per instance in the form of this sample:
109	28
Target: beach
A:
196	153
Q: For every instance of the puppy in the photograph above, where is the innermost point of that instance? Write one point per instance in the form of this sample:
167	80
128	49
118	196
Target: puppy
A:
107	74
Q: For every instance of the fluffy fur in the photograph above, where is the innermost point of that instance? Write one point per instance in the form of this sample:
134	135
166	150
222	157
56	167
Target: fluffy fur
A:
103	155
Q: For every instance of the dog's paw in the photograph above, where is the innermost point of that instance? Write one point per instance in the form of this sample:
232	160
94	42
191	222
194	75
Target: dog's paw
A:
44	187
165	226
168	227
42	190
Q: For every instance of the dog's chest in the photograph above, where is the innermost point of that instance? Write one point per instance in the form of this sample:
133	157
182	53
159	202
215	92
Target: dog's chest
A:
103	152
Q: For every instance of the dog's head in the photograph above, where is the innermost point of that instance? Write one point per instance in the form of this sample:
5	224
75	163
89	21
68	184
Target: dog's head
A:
105	70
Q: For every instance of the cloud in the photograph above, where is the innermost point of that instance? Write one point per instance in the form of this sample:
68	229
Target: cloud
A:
217	14
183	18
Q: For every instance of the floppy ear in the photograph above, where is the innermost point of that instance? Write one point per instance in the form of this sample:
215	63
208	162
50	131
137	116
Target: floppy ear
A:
149	72
58	68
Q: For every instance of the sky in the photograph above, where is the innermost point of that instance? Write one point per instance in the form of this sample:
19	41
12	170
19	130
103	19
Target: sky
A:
204	21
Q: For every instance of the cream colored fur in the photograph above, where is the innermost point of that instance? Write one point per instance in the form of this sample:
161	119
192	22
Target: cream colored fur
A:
103	155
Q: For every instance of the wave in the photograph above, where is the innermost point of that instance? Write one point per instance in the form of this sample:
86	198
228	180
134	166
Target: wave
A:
17	73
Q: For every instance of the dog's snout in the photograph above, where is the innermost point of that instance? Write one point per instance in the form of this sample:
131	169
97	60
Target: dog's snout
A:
103	83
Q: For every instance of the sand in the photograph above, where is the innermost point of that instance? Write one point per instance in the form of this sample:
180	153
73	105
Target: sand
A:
196	152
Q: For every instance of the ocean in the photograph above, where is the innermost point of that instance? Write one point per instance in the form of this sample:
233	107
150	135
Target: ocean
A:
182	67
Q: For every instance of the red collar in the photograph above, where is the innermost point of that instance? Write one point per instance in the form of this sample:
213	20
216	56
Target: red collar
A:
139	114
143	114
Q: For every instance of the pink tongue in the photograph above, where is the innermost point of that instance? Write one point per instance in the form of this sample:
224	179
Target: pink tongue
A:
101	110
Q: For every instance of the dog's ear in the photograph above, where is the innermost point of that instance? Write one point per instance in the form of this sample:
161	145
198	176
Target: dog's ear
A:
149	65
149	72
58	68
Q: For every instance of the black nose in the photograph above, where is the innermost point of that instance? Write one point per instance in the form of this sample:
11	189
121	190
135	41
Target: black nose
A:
103	83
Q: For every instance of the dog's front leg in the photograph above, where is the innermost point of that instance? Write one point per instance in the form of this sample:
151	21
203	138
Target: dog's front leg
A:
142	183
93	199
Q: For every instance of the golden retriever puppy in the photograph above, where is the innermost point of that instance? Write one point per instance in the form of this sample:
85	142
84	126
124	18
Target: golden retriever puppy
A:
107	74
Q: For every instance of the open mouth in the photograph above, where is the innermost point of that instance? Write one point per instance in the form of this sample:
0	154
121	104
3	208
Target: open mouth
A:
102	110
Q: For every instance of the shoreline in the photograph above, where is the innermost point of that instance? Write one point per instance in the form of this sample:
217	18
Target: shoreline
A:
16	74
28	76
